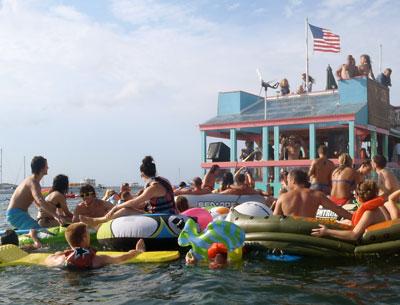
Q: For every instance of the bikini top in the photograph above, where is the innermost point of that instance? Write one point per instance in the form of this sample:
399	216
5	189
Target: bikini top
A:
351	183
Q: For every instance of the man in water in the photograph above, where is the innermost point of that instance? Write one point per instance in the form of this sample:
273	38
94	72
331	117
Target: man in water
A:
27	192
301	201
320	172
91	206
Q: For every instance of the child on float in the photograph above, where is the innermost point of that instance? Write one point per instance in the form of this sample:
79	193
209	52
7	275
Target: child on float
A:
82	256
369	213
217	256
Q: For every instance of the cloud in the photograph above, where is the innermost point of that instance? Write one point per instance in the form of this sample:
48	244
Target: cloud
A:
291	6
233	6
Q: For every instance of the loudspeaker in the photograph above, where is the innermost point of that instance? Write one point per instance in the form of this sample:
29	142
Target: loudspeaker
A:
218	152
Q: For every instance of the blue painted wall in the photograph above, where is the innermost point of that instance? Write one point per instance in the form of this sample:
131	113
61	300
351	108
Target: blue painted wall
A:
234	102
353	91
362	116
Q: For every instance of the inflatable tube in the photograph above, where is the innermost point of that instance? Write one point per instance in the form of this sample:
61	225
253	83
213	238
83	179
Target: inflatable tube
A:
381	232
219	213
199	201
159	231
203	216
251	208
52	237
218	231
11	255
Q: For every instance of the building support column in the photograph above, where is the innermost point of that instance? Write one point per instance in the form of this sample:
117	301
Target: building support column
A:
374	143
203	139
311	148
386	146
233	145
265	153
276	185
351	139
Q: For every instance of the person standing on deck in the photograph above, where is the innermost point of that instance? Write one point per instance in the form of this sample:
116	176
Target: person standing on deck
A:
28	192
320	172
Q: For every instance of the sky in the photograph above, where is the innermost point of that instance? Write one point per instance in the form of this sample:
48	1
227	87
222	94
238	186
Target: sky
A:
96	85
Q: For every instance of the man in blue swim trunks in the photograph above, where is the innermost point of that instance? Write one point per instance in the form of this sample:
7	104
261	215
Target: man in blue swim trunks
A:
320	172
27	192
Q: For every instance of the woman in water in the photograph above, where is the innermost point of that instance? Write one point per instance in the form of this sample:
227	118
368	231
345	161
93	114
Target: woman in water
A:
344	180
369	213
58	200
157	197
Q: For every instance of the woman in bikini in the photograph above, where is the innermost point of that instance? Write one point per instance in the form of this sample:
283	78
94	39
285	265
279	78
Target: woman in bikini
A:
344	180
369	213
58	200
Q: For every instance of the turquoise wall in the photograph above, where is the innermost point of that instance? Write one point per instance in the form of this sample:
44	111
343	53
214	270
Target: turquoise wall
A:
234	102
353	91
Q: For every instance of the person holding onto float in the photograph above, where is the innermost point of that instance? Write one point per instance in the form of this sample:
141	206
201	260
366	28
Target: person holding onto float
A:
157	197
368	213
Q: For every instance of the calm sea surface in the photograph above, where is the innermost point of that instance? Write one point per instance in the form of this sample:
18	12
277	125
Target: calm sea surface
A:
255	281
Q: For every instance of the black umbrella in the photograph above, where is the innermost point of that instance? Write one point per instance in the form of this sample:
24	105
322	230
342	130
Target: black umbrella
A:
330	79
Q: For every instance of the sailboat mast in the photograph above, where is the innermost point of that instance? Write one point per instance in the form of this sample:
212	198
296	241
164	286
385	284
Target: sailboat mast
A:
1	165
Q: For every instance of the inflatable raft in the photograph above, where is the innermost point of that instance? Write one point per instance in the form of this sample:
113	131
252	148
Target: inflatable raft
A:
159	231
291	235
11	255
216	200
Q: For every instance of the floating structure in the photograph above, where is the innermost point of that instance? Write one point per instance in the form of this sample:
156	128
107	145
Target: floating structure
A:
358	114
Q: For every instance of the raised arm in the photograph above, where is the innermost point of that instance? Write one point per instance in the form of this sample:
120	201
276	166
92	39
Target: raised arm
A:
391	205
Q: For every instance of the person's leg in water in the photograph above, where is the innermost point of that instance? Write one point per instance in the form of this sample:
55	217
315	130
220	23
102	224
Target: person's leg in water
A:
95	221
36	242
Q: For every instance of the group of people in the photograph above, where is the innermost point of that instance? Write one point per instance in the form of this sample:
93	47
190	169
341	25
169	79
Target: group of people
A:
350	69
306	85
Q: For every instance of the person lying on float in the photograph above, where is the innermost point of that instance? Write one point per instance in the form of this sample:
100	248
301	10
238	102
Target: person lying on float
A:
303	202
369	213
157	197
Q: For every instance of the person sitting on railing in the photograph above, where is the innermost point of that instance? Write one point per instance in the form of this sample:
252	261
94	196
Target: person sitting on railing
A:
284	84
347	70
384	78
365	67
303	202
307	85
240	188
368	213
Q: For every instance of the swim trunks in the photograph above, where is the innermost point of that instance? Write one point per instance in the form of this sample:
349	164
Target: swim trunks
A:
21	219
339	201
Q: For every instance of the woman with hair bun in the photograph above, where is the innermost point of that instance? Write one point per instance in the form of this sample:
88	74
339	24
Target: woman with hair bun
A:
157	197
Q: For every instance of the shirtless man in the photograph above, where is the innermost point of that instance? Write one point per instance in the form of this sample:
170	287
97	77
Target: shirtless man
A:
27	192
293	148
301	201
320	172
90	206
210	177
387	183
196	188
240	188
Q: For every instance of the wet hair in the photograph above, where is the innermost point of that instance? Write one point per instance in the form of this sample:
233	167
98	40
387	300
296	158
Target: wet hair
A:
344	161
75	233
300	177
323	150
380	161
197	181
227	180
214	168
367	190
87	188
60	184
148	167
37	164
240	178
181	204
182	184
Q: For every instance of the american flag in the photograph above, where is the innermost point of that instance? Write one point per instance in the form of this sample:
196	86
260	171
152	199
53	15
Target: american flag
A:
325	40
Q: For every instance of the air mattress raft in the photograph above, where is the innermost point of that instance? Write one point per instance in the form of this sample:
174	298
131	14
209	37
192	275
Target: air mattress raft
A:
11	255
291	235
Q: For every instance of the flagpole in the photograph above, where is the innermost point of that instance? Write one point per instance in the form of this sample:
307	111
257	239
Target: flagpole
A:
306	80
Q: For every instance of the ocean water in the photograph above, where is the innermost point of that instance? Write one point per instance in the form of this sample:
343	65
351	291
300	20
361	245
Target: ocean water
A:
254	281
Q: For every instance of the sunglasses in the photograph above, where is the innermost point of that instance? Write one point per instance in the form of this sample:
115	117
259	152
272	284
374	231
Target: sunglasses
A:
84	195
